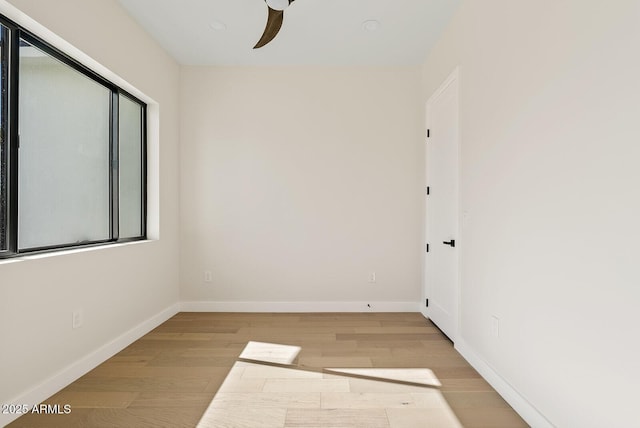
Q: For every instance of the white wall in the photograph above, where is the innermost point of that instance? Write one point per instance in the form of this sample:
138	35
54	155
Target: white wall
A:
299	182
550	106
119	287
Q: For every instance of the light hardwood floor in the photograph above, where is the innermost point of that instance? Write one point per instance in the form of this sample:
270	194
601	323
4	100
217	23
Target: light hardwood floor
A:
169	377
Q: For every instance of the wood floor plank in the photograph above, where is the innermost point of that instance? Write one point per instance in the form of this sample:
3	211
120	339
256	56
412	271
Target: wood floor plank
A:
422	418
346	361
270	352
336	418
476	384
244	418
163	400
489	418
456	373
254	400
94	400
396	344
427	399
262	372
164	360
132	360
127	384
231	351
178	336
475	399
357	352
306	385
109	418
156	372
360	385
178	417
395	330
242	385
388	337
430	361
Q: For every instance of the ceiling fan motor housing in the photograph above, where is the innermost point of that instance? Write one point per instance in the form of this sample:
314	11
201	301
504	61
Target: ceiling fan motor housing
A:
278	4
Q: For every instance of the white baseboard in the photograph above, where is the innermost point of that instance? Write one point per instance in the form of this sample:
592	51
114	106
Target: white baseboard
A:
228	306
77	369
525	409
423	311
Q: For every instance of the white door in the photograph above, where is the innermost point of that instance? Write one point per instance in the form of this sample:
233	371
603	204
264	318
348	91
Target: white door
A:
441	263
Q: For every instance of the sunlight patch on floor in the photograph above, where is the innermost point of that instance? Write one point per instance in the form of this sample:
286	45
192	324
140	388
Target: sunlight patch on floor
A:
270	352
258	395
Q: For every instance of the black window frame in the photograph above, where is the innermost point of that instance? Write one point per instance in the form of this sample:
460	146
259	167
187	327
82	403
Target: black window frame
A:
5	138
143	168
10	99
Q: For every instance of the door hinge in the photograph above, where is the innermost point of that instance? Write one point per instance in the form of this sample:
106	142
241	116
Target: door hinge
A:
427	248
428	133
426	303
428	190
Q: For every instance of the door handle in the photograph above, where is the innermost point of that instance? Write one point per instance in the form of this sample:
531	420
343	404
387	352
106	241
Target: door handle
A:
452	243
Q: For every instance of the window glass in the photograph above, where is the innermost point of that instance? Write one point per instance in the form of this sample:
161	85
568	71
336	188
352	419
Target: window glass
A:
131	167
64	181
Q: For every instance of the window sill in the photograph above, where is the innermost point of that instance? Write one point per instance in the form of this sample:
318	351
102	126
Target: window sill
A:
65	252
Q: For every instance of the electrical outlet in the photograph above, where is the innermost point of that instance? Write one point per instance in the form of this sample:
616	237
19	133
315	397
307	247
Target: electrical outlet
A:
372	277
77	319
208	276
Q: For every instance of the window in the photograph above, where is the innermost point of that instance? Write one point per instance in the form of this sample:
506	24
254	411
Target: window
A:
63	168
72	152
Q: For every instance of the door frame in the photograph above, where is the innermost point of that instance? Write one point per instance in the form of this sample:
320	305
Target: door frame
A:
452	78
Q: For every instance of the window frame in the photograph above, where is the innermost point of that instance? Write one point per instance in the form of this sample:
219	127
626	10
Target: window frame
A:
5	100
16	33
143	167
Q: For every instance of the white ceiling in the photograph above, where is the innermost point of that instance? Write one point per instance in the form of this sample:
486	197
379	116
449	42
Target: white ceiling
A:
315	32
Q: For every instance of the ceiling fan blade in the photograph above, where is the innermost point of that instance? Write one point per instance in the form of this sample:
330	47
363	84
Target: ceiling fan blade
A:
274	23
